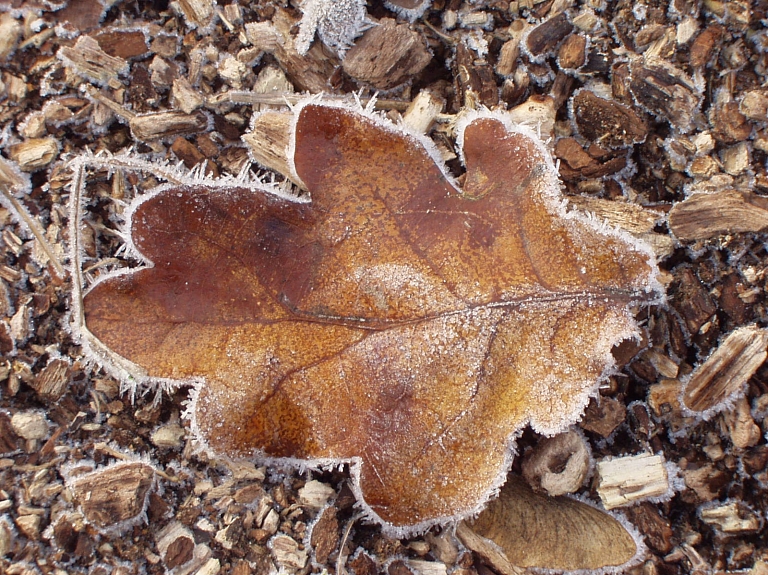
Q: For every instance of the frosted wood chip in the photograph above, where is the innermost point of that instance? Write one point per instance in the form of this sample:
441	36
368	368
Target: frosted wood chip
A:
165	124
87	59
631	217
726	371
626	480
114	496
706	215
197	13
315	494
34	154
731	518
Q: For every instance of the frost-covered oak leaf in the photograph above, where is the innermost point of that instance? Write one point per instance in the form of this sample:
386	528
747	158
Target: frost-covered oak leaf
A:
396	322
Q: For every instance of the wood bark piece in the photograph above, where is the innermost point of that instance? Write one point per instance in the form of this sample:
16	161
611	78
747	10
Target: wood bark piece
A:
705	215
625	480
665	91
114	495
607	122
727	370
521	529
123	44
387	55
545	37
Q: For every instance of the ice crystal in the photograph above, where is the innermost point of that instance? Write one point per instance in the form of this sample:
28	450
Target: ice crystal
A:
337	23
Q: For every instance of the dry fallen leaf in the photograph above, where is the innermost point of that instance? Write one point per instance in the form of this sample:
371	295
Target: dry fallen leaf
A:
522	529
395	322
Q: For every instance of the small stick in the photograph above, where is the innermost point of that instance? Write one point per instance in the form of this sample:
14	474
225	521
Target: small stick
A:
34	226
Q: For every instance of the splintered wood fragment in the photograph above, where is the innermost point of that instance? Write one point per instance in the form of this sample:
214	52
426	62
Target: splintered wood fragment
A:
734	517
268	142
87	59
387	55
625	480
727	370
307	72
10	176
35	153
704	215
163	124
115	494
631	217
197	13
52	381
422	111
185	97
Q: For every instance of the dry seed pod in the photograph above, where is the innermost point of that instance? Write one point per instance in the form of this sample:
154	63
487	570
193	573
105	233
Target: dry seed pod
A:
522	529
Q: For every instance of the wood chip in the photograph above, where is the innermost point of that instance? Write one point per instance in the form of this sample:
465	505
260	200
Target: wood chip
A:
10	33
52	381
626	480
607	122
665	91
165	124
114	495
704	215
287	552
197	13
727	370
387	55
732	518
544	38
742	429
34	154
88	60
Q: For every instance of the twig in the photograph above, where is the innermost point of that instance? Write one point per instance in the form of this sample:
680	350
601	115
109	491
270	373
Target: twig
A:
34	226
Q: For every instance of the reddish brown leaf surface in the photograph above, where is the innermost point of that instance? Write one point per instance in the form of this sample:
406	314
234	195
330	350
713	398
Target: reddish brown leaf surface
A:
395	321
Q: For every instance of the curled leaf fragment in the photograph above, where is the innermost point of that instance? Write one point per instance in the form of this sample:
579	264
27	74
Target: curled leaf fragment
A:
395	322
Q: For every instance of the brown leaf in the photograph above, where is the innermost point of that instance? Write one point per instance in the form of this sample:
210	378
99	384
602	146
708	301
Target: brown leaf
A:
395	322
522	529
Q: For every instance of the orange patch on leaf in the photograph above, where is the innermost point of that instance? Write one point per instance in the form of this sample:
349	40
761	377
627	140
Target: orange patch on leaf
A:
396	322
